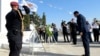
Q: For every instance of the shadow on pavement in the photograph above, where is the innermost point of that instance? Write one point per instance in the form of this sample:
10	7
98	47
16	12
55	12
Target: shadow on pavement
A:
92	45
95	46
48	54
51	54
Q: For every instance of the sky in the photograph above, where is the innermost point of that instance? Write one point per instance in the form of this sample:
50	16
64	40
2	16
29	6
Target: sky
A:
58	10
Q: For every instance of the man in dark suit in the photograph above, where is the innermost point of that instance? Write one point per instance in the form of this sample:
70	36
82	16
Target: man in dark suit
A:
81	21
14	25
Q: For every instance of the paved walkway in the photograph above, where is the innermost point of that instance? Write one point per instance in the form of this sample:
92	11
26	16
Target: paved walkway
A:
55	49
60	49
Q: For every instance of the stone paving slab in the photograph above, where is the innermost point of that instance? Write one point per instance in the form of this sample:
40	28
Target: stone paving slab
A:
56	49
61	49
69	49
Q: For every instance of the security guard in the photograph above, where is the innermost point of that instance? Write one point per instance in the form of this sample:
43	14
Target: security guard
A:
14	25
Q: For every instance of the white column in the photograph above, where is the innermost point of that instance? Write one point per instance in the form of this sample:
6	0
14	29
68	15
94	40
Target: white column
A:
4	9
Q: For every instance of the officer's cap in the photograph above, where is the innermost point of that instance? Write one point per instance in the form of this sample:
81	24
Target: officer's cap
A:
13	3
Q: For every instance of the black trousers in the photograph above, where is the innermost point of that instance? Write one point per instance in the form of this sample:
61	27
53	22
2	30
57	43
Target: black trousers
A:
65	35
73	37
55	38
96	35
42	35
89	35
15	42
85	40
46	38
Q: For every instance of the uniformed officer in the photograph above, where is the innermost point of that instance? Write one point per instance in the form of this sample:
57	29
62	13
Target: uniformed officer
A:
83	29
14	23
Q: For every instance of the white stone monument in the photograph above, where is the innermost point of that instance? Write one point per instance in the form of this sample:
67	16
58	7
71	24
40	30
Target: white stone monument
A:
4	9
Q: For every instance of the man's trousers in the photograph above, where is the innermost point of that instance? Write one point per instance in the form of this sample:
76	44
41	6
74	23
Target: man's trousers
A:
15	42
85	40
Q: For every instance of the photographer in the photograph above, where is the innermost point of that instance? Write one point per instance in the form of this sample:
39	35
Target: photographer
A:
64	30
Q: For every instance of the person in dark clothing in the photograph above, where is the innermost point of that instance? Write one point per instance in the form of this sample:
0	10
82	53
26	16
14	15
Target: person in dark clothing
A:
43	33
14	25
62	23
95	26
99	27
89	33
83	29
73	31
55	33
40	33
64	30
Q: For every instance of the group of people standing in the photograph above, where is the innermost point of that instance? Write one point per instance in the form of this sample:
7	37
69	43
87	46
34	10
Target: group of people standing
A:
82	28
71	28
48	33
14	25
74	30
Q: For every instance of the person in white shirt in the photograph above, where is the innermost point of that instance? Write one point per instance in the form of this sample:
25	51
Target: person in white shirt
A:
95	27
90	30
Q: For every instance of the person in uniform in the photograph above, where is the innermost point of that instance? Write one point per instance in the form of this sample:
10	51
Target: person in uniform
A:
83	29
14	25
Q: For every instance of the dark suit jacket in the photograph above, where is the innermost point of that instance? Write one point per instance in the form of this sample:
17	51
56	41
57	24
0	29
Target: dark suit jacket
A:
73	27
81	21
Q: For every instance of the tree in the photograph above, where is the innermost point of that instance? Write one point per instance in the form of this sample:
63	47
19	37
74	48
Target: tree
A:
35	18
44	19
26	22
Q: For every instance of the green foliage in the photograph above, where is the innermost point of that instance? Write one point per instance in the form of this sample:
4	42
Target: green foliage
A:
35	18
38	20
26	21
44	19
48	32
